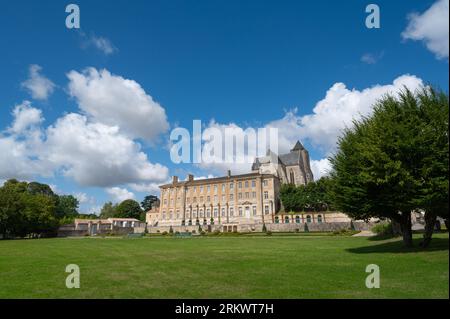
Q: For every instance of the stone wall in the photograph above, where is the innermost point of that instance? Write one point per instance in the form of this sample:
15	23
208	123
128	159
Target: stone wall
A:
291	227
70	231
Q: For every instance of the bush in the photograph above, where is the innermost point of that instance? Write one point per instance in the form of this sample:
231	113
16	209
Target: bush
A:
216	232
171	230
264	228
268	233
164	233
383	229
203	233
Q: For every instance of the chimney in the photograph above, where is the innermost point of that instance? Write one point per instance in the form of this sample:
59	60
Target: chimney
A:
229	173
190	177
174	179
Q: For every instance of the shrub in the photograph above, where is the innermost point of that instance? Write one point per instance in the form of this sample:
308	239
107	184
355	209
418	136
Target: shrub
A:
203	233
306	228
268	233
383	229
264	228
164	233
216	232
171	230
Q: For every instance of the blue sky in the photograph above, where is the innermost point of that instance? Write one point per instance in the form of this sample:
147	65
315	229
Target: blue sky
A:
245	63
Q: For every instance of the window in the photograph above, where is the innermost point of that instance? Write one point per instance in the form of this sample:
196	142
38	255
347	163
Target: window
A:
231	211
164	216
240	196
266	209
208	189
170	215
223	198
215	198
195	188
319	218
240	211
231	197
254	210
291	177
208	198
223	187
201	198
171	201
201	189
246	184
231	185
266	195
265	182
195	199
223	212
277	220
195	214
297	220
215	189
201	213
253	183
286	219
308	218
240	185
246	194
208	213
215	212
253	194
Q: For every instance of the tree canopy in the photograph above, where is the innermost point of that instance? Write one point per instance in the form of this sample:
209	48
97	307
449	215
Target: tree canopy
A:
314	196
396	160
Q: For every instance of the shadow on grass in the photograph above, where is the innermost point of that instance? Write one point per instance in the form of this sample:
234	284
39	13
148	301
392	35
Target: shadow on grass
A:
396	246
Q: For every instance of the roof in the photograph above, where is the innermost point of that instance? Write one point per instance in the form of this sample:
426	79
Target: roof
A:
86	221
124	219
215	179
298	147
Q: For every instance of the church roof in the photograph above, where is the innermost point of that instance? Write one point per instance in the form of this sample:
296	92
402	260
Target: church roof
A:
297	147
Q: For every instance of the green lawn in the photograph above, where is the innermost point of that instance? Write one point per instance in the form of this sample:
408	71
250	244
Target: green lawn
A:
223	267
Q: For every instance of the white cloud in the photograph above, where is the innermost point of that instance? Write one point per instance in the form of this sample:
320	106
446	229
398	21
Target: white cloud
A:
335	112
116	101
431	27
320	168
151	188
38	85
103	44
119	194
371	58
20	145
95	154
25	117
84	198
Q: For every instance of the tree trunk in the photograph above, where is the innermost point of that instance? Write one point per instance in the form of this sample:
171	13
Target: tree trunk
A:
405	224
430	222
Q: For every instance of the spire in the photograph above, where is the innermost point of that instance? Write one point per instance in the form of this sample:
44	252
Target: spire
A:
297	147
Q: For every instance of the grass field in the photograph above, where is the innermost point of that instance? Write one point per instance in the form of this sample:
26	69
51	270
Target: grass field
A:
223	267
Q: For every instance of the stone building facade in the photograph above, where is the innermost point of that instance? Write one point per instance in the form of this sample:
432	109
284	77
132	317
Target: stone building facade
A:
227	201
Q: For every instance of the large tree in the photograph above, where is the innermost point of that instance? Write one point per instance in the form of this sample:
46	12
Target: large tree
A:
108	210
24	212
433	171
67	206
314	196
129	208
149	202
378	167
